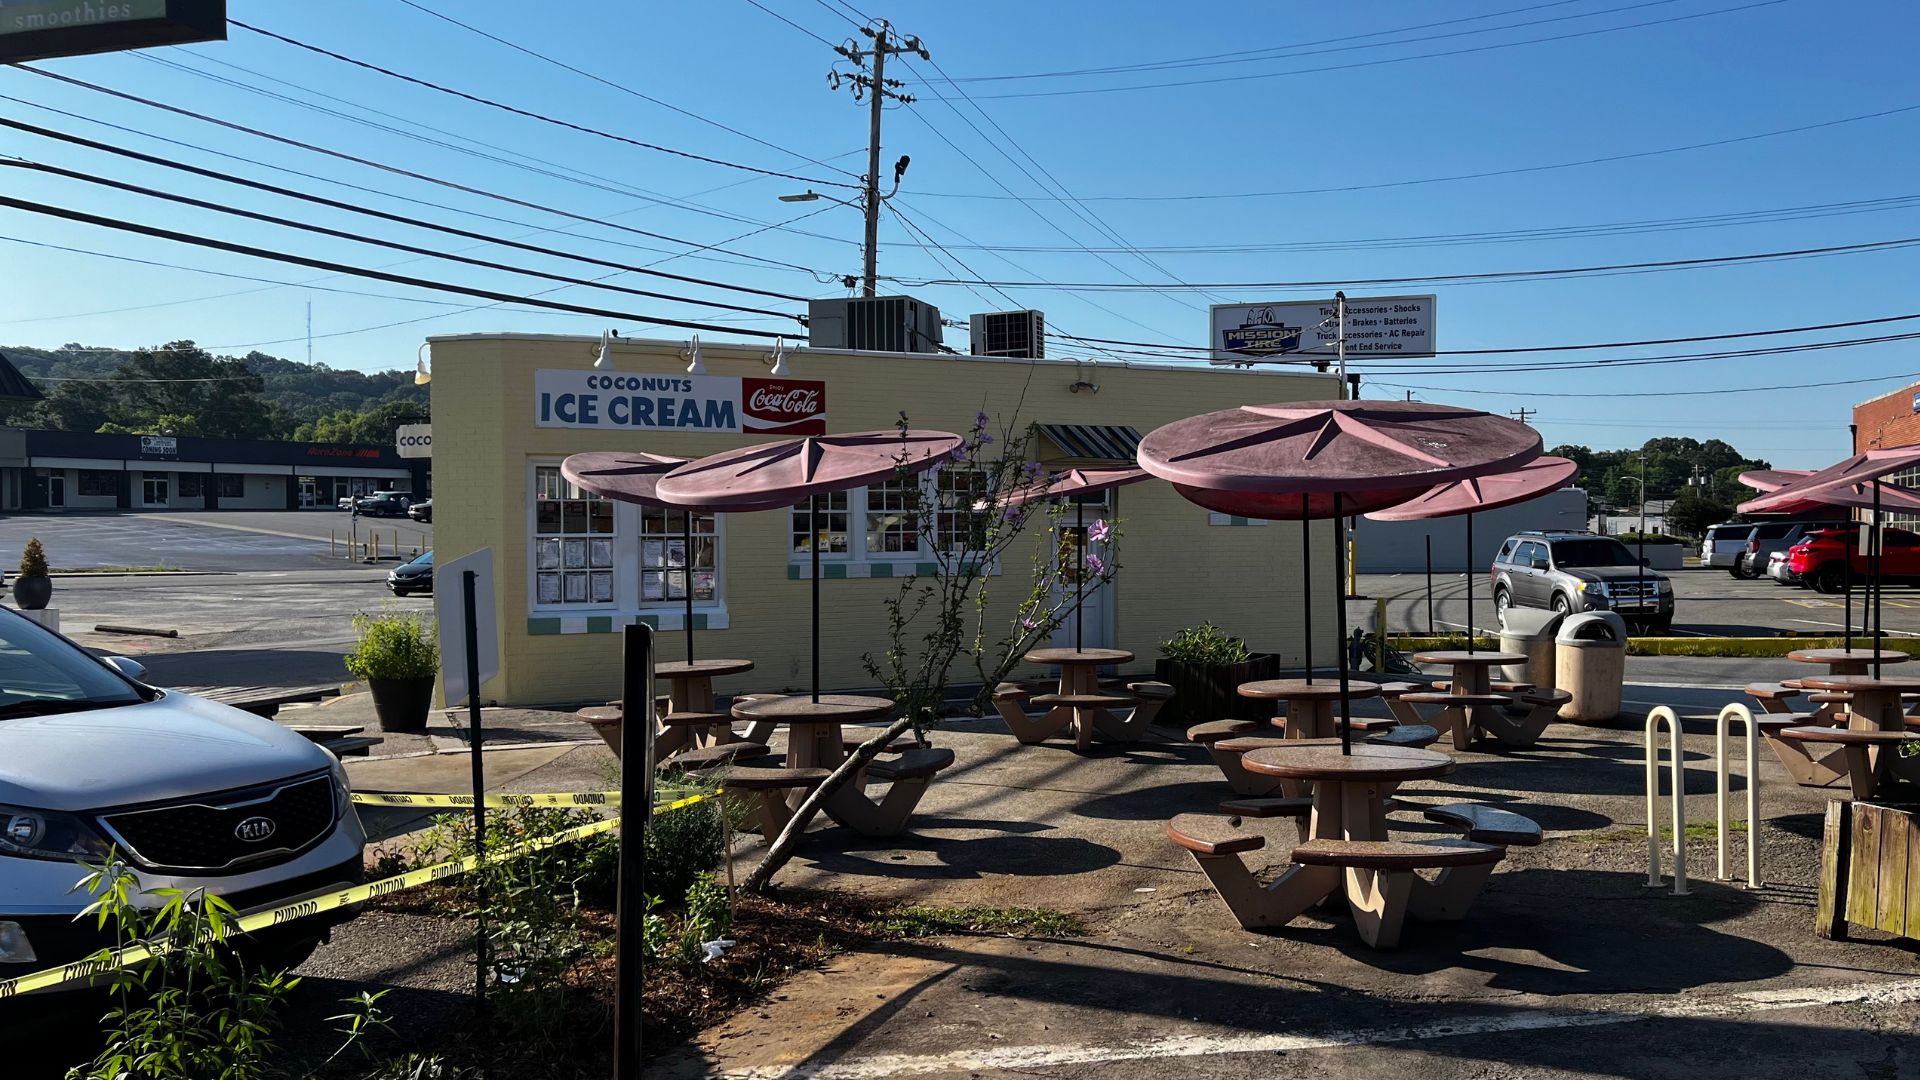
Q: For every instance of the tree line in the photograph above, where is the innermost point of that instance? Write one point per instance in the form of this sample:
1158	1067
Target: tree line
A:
181	389
1702	478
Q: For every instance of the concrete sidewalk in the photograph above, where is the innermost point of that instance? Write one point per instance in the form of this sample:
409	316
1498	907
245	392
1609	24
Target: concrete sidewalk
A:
1568	966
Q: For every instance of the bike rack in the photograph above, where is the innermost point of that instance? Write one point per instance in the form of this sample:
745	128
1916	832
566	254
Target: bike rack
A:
1722	776
1663	715
1721	729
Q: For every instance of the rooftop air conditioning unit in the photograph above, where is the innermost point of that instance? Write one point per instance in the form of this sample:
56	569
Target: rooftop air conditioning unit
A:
1019	334
875	324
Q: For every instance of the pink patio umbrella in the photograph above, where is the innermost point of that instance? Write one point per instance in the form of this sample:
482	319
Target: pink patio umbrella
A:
1842	481
770	476
1325	459
1469	497
1076	482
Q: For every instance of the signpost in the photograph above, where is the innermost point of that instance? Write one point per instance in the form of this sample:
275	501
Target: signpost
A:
469	656
636	814
39	29
1396	326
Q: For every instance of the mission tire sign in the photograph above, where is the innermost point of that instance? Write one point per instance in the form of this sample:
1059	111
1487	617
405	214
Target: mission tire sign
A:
1377	326
38	29
722	404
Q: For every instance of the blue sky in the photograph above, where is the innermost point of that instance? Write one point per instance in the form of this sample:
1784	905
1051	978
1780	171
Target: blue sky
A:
1709	70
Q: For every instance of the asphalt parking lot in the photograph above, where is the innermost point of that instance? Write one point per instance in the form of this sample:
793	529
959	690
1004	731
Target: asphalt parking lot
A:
1707	603
217	540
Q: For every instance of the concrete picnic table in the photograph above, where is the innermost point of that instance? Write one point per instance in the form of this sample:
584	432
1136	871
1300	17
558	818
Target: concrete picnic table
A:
1309	704
1847	661
1471	681
1080	702
690	695
816	740
1875	708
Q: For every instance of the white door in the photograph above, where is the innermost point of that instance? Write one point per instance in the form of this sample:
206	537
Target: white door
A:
1095	622
154	489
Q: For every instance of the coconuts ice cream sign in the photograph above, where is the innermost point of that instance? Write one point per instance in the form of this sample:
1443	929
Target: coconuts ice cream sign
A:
716	403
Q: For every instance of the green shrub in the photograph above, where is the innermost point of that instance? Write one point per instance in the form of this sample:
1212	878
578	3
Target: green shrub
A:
394	645
682	845
33	559
1204	644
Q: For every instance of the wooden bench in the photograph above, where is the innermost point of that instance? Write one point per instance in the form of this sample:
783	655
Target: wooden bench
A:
1487	824
765	789
1389	886
1862	750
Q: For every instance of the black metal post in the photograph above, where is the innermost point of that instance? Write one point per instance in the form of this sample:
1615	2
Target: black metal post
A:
1878	585
1429	582
1470	573
1340	578
636	814
686	581
813	522
1306	585
1080	568
470	611
1846	585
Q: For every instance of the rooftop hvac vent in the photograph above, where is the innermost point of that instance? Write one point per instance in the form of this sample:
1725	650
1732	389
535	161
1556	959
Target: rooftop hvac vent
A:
875	324
1021	334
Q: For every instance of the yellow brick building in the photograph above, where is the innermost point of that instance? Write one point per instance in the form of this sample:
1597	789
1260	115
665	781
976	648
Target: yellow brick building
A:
508	408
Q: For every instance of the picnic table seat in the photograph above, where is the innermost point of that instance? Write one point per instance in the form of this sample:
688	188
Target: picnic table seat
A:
351	746
760	731
1213	834
1773	697
1418	735
1149	697
1860	750
1081	701
910	773
1226	754
1434	698
1487	824
323	732
765	788
1010	700
1215	730
701	758
1396	889
1299	808
1394	693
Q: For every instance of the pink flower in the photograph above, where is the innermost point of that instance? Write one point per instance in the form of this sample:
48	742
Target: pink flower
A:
1029	623
1094	565
1099	531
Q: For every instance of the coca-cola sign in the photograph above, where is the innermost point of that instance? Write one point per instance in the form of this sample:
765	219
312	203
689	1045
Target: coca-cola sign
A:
678	402
785	406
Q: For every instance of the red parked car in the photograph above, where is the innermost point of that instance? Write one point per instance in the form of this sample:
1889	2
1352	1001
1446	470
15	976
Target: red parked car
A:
1821	559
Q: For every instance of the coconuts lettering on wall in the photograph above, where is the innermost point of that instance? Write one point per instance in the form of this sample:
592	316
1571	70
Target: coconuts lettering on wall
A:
717	403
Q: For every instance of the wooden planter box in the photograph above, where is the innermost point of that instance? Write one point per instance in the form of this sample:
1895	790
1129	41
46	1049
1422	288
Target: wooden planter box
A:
1203	692
1870	869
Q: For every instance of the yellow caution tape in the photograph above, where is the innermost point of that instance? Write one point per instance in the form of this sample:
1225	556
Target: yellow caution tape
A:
576	798
92	967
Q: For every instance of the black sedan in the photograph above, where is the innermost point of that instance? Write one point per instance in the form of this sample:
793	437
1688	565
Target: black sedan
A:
414	577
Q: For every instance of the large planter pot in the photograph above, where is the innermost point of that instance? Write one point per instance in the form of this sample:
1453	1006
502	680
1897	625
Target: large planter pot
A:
1203	692
402	704
32	593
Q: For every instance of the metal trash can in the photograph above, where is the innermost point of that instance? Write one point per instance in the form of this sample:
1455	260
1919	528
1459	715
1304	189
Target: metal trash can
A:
1590	663
1529	632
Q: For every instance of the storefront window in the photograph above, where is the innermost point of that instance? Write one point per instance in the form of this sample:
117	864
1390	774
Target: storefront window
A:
663	557
959	527
572	543
835	513
191	486
231	485
893	523
94	482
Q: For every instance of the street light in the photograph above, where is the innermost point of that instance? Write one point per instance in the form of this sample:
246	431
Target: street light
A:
808	195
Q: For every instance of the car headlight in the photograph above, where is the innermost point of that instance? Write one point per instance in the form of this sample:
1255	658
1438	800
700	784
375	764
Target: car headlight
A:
342	794
49	834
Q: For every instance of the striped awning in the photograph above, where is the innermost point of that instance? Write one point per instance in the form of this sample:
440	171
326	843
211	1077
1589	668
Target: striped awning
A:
1094	442
13	385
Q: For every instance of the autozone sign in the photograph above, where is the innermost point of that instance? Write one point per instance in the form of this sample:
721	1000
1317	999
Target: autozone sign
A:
716	403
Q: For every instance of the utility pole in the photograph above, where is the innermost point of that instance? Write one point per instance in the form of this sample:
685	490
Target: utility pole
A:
1522	413
878	89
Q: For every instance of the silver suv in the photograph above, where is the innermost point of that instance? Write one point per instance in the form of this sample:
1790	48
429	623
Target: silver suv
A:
1578	571
194	795
1769	537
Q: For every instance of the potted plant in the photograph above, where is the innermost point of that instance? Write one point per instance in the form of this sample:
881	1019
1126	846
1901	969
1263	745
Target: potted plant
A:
33	588
1205	665
399	658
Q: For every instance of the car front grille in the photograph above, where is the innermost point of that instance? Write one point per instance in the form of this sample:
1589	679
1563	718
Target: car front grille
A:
1633	588
220	833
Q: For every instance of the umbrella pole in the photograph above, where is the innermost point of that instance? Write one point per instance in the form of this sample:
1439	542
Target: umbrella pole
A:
1080	569
1469	583
1878	585
686	585
813	522
1846	619
1429	584
1306	581
1340	614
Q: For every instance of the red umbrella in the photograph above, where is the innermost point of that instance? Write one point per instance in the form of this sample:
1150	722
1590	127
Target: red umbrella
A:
1845	481
772	475
1469	497
1077	482
1271	461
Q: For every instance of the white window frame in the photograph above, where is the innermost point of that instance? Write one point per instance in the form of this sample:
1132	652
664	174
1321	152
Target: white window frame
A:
627	584
857	553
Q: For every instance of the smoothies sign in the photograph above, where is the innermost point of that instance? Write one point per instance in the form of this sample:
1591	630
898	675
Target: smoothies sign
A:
718	403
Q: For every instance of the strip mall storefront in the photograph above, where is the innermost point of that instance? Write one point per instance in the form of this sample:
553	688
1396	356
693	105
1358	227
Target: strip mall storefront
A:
573	570
79	471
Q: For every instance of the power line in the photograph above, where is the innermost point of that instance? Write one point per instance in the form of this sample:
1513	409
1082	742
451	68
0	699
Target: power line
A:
1644	361
1489	276
1662	393
795	25
357	271
542	117
367	162
341	234
351	208
1483	175
585	74
1388	60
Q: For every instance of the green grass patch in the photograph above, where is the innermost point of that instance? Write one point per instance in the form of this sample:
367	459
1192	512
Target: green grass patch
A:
1413	643
1751	647
1696	831
919	921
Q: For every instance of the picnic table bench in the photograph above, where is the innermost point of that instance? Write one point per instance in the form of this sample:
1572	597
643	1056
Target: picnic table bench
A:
262	701
344	741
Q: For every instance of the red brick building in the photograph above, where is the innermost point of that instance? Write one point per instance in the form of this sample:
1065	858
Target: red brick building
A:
1890	420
